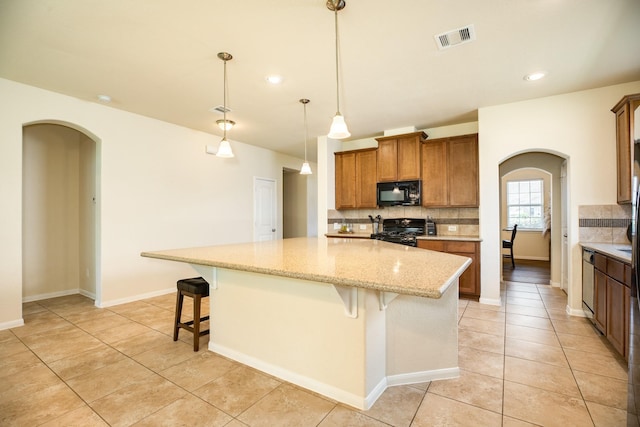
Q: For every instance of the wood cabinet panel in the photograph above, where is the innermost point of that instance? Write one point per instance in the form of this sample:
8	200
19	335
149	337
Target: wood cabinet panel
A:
366	179
615	269
611	300
600	262
432	245
462	247
450	172
434	173
356	179
387	160
399	157
345	180
600	301
409	158
463	171
625	111
617	296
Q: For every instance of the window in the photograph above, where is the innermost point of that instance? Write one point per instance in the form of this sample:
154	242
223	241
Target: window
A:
525	203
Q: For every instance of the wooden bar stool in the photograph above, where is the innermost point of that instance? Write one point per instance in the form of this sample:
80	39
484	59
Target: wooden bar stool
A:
196	288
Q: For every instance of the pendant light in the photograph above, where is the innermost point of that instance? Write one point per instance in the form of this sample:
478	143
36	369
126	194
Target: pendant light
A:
224	148
306	169
338	126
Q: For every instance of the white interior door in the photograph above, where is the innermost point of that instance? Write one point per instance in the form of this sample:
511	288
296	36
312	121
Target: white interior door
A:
264	210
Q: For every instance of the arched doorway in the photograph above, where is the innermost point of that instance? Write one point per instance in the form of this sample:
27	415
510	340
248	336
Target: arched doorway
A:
60	216
536	164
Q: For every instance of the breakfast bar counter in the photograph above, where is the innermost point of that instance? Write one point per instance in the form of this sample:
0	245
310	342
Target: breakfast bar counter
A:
342	317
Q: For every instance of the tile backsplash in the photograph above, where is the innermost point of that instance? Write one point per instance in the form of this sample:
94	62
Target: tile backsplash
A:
464	220
604	223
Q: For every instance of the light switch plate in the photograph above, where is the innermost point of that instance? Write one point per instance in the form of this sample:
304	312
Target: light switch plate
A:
363	227
453	228
336	226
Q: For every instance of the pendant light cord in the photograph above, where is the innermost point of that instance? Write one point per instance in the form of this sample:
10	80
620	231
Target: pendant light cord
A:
306	133
337	78
224	101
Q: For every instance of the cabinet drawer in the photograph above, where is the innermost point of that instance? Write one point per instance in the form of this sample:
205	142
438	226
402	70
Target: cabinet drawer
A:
431	245
615	269
461	247
600	262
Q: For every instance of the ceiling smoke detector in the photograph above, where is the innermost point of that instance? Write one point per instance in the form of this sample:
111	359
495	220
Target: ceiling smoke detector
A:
455	37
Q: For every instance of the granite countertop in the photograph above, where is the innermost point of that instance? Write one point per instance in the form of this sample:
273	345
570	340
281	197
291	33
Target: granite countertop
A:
452	238
363	263
616	250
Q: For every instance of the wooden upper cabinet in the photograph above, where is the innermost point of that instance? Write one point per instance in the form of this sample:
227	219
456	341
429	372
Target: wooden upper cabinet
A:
450	172
356	179
366	180
435	188
387	160
345	180
625	111
463	171
399	157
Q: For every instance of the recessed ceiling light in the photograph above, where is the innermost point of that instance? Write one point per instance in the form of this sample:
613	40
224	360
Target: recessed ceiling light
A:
274	79
104	98
534	76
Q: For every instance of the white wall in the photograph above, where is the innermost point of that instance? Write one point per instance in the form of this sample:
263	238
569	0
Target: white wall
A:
157	189
578	126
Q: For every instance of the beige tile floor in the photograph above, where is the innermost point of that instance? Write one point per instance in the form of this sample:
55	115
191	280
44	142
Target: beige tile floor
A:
523	364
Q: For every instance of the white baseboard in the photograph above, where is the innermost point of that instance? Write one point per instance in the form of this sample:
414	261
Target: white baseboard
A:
133	298
578	313
328	390
490	301
11	324
554	284
91	295
51	295
423	377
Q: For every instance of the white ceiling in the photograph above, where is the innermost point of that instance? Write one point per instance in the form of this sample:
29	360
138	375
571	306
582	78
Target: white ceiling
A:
158	58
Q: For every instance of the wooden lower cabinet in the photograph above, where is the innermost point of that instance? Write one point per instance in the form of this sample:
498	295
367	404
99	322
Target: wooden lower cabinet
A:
617	314
469	282
611	301
600	301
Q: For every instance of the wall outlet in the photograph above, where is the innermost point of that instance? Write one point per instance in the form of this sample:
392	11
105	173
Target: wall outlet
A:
363	227
336	226
453	228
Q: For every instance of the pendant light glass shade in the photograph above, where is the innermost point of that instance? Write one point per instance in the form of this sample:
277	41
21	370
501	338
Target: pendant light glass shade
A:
338	128
224	148
306	169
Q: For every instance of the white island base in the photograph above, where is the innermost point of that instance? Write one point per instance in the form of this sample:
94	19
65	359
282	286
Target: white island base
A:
346	343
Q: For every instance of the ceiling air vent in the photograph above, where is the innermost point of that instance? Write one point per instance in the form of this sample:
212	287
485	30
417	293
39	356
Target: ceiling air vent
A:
455	37
219	109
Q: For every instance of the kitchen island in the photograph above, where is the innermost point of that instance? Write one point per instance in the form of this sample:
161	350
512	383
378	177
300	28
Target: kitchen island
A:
342	317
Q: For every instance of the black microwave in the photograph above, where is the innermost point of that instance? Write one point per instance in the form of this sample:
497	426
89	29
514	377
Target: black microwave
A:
401	193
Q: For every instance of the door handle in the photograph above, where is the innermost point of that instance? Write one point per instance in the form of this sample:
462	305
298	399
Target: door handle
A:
273	230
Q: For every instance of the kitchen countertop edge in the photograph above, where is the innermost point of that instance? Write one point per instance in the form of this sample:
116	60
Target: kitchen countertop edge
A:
192	256
610	249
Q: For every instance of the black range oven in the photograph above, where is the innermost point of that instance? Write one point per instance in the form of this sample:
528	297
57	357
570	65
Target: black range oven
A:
401	230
